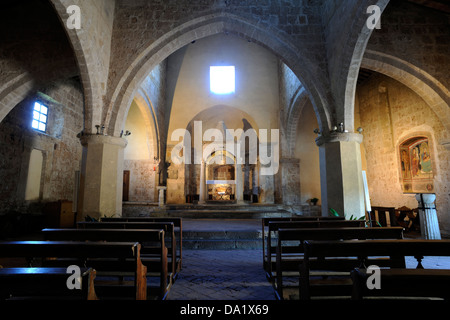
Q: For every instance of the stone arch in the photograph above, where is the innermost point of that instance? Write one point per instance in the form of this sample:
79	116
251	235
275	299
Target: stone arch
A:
88	63
146	107
296	58
297	104
37	62
356	42
14	92
425	85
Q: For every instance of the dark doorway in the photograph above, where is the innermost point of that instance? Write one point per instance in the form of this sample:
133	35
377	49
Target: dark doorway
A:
126	185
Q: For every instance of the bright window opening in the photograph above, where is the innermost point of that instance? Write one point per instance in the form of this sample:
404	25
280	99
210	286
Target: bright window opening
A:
223	79
40	116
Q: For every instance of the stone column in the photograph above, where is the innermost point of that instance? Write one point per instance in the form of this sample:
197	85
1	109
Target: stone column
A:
429	225
290	181
239	184
101	176
202	183
255	181
267	186
161	196
341	174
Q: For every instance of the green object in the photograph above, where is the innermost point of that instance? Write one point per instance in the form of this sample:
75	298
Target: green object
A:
334	212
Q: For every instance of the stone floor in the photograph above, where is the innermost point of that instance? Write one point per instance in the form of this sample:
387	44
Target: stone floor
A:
222	275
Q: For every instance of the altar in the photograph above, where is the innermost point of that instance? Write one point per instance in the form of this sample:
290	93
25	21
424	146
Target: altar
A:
221	183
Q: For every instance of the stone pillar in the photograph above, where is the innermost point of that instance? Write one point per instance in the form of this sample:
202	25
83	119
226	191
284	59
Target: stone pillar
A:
101	177
161	196
255	181
267	186
290	181
239	184
202	183
429	225
341	174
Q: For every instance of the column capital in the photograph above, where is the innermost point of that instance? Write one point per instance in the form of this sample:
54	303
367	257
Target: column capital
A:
88	139
339	137
427	198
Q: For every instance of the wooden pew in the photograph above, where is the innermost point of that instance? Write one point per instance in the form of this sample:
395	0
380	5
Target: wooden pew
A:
153	249
265	225
385	216
341	257
403	283
272	230
177	222
290	250
168	227
106	258
45	284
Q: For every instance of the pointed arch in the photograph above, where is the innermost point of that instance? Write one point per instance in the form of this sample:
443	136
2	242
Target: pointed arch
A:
146	107
297	59
436	95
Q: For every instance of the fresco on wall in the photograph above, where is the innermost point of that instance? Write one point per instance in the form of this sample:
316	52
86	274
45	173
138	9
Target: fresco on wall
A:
416	166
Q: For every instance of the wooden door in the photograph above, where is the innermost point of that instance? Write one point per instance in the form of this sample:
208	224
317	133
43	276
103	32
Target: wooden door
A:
126	185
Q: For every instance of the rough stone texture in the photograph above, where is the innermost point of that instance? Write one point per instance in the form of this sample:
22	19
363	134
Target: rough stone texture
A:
142	180
92	48
410	116
290	171
417	35
61	147
36	53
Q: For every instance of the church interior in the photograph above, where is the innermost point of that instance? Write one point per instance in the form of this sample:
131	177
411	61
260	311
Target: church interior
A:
224	112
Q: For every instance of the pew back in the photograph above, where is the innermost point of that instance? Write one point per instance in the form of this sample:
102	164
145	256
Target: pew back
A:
45	283
273	226
349	254
168	227
290	246
116	258
177	222
153	248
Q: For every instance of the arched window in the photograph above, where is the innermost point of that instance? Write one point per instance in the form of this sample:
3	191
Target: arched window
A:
416	165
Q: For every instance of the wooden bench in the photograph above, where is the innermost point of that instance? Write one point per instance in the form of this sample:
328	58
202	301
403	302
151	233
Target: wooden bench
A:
270	243
153	250
290	249
178	225
265	224
407	283
385	216
168	227
403	283
338	258
108	259
45	283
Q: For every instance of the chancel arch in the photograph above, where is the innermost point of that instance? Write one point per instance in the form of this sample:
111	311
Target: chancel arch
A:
198	28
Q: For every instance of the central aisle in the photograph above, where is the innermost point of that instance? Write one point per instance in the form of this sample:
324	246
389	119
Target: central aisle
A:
222	275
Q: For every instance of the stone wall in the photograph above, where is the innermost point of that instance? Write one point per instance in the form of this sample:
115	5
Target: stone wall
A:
390	113
33	52
415	34
60	147
307	151
142	180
